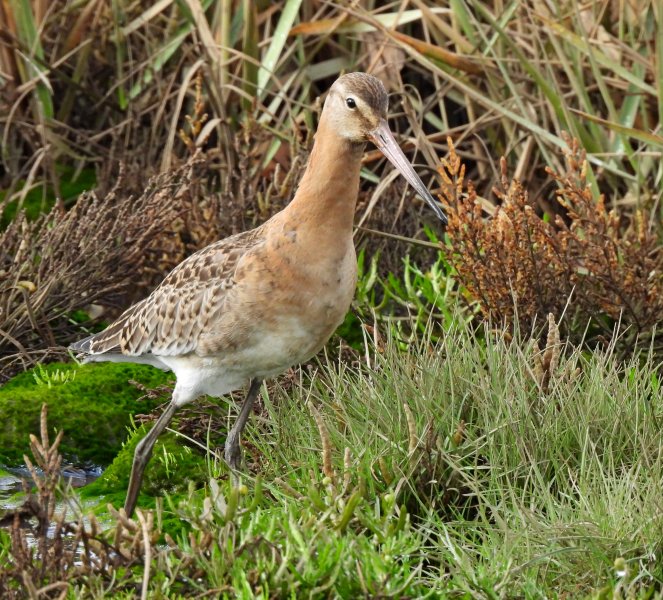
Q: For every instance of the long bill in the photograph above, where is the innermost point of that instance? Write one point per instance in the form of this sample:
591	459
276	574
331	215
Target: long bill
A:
382	137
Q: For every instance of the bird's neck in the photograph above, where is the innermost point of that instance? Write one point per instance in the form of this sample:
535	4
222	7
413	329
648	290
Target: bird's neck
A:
327	193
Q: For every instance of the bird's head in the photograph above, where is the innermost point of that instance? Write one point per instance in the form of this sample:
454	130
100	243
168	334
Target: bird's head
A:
356	108
356	104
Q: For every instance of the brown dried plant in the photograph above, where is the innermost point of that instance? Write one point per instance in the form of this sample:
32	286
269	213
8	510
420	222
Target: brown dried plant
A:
600	269
546	362
327	468
195	121
95	253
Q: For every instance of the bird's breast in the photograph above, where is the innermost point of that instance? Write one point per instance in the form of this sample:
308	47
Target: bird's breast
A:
318	285
295	298
288	298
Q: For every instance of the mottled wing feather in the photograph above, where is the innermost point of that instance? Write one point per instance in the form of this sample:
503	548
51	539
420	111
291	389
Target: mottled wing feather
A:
109	338
171	320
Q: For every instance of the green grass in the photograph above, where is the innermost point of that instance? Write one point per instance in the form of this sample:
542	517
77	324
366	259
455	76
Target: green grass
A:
494	489
558	486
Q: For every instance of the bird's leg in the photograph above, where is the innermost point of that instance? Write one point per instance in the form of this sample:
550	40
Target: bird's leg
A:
233	454
142	456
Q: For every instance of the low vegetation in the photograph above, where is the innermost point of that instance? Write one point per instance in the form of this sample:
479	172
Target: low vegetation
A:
601	268
478	467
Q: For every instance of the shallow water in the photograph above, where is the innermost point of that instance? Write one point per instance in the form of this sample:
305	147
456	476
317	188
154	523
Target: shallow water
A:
11	482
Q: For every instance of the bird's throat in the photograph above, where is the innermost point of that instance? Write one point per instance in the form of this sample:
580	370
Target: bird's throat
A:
327	193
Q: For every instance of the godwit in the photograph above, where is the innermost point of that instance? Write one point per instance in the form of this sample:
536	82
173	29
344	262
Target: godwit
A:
250	306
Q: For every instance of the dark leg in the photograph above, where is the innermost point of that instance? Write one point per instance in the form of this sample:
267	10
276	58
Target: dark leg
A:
142	457
233	454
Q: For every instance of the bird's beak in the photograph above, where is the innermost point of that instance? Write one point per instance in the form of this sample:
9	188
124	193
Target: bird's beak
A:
382	137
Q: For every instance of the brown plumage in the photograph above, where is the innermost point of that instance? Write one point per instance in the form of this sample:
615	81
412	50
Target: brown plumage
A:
174	318
252	305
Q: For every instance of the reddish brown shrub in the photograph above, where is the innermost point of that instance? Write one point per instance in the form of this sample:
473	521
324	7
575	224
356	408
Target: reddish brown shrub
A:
599	268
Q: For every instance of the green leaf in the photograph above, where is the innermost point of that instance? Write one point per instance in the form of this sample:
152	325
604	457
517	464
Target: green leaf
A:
271	57
32	56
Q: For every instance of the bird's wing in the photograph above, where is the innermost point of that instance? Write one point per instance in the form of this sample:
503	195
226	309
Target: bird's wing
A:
170	320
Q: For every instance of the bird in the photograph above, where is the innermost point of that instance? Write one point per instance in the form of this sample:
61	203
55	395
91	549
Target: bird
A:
250	306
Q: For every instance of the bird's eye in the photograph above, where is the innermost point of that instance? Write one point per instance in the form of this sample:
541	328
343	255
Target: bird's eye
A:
351	103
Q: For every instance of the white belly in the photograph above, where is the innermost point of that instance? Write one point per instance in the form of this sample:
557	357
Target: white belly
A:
267	354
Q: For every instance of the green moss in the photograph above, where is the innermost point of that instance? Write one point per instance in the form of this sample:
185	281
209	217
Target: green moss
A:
92	404
172	467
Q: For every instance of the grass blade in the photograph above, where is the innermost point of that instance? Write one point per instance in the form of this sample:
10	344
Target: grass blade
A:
250	47
288	16
636	134
28	34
